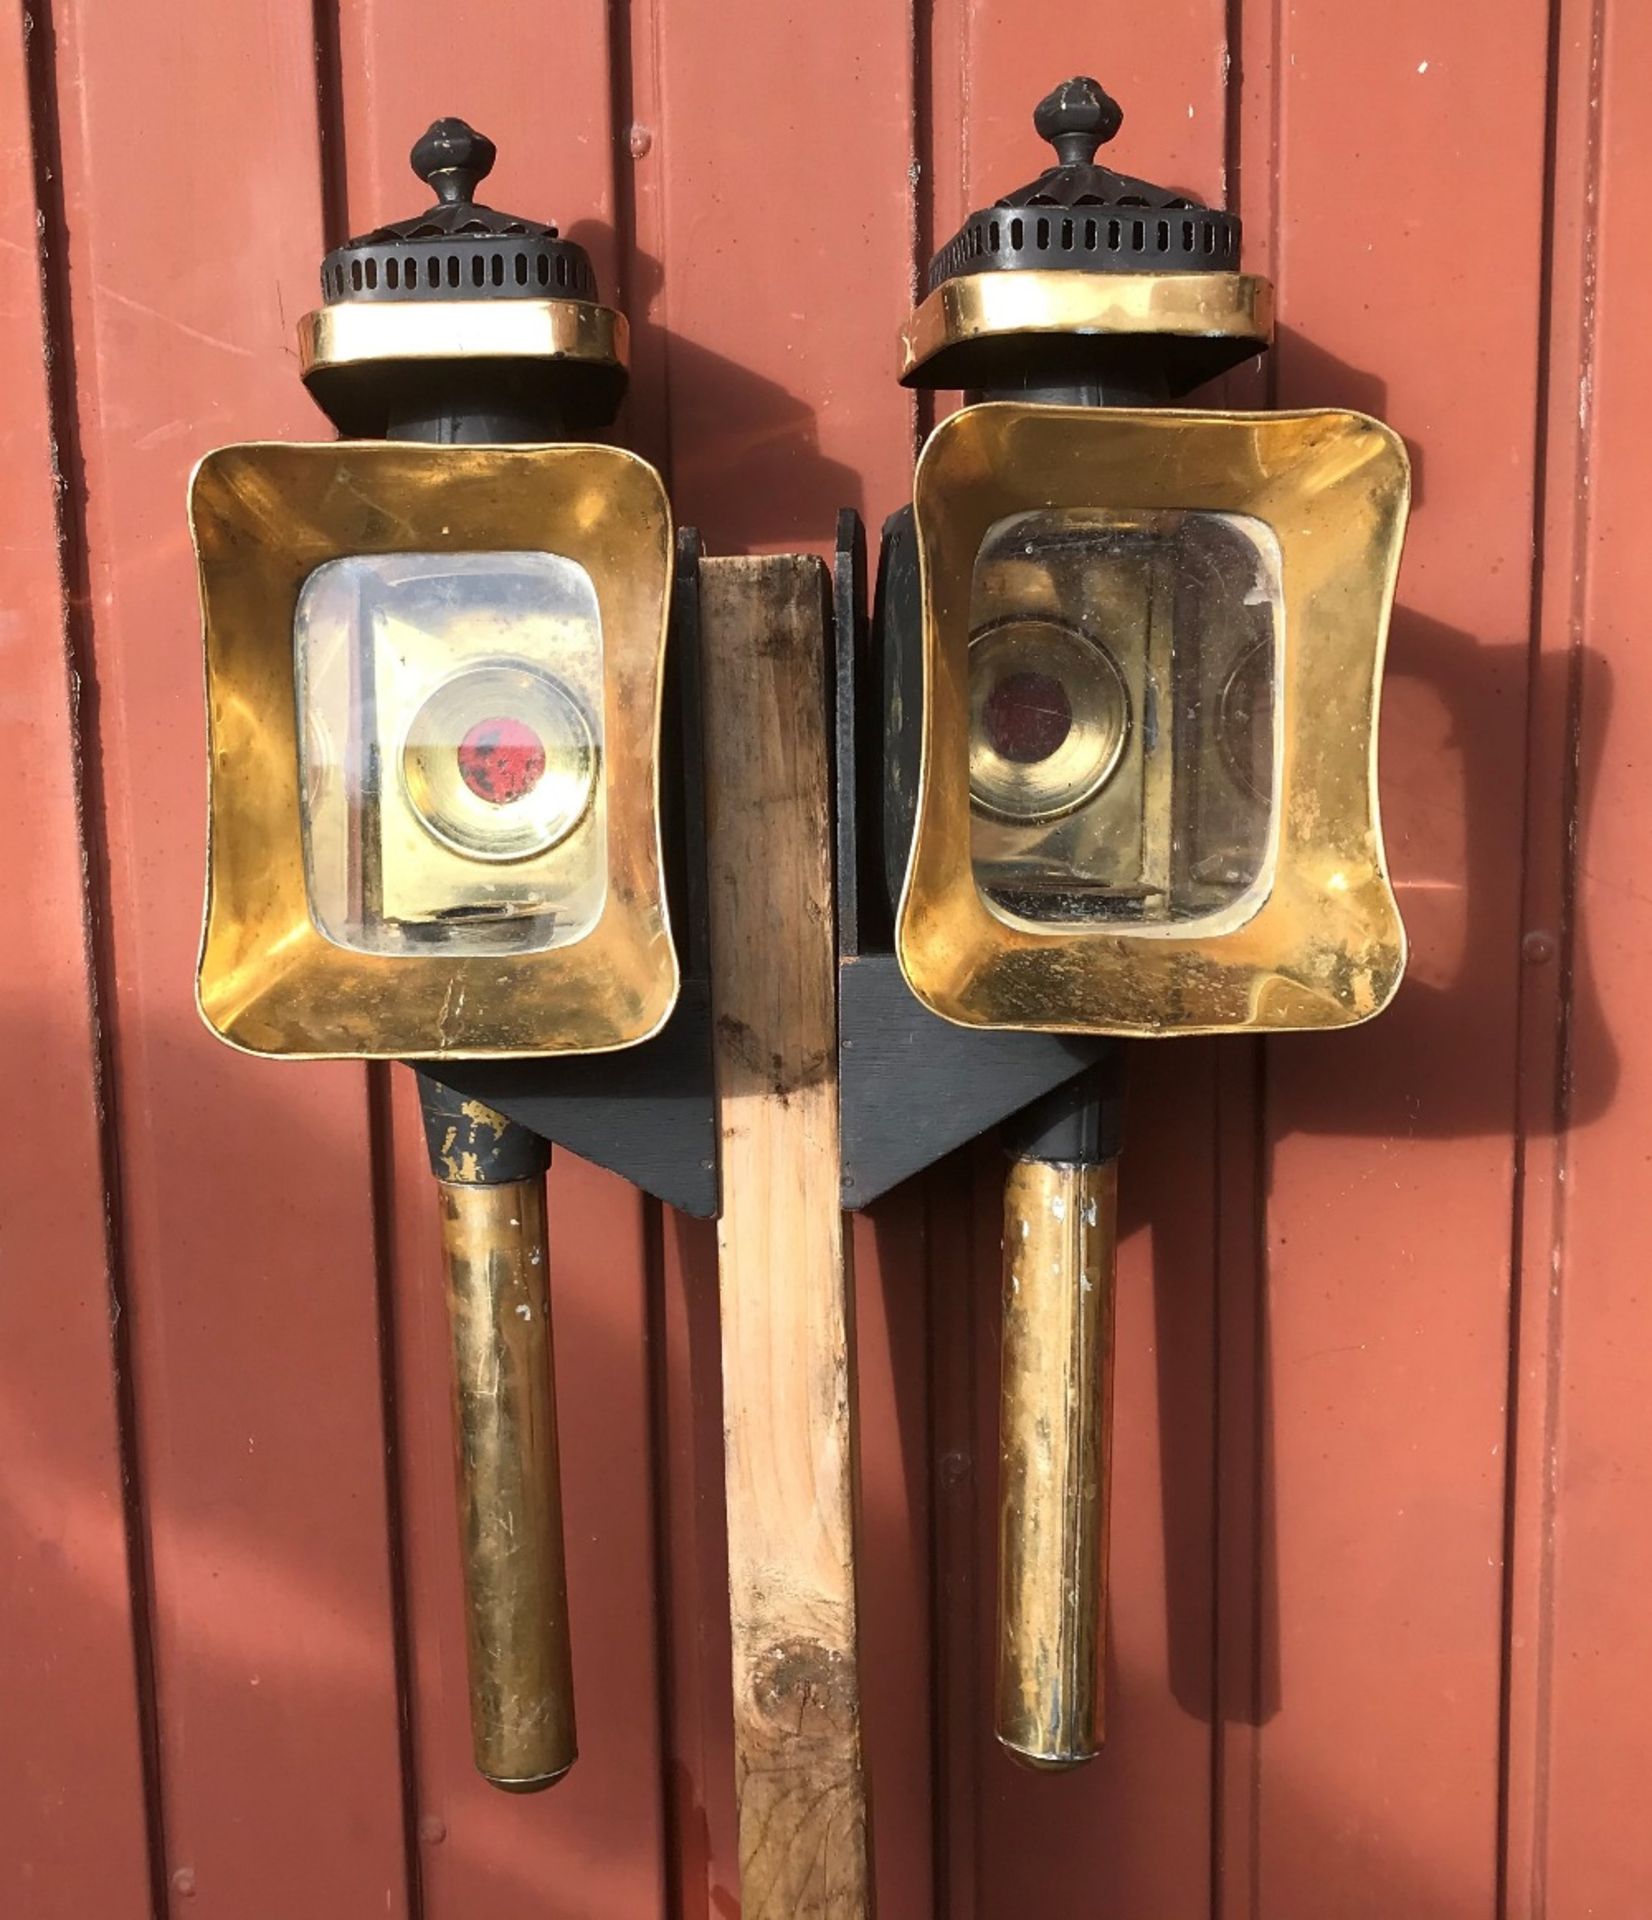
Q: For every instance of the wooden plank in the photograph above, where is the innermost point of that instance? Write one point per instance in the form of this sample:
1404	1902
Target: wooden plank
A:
1579	1745
1134	1826
765	296
788	1391
1391	1172
596	1842
71	1759
246	1200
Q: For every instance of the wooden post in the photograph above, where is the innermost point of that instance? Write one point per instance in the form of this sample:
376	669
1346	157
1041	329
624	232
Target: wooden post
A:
788	1394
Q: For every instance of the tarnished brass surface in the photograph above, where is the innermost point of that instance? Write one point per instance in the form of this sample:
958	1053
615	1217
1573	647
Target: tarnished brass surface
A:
264	516
977	306
1055	1459
357	333
1324	947
510	1495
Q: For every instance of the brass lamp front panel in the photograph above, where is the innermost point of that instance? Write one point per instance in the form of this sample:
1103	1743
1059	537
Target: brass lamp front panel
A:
1226	869
560	871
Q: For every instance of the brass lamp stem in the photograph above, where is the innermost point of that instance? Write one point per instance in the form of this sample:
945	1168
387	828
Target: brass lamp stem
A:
504	1409
1055	1457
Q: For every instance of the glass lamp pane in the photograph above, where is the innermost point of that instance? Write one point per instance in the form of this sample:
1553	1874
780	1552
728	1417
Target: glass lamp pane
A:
1123	735
450	751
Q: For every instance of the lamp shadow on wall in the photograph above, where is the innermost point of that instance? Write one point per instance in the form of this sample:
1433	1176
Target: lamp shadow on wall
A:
1474	1047
1446	1062
1458	713
741	453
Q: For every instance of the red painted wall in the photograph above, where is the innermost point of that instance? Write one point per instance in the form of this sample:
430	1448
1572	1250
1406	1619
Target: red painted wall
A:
1383	1522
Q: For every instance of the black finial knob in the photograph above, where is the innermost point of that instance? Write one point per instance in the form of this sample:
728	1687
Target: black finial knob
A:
452	158
1076	118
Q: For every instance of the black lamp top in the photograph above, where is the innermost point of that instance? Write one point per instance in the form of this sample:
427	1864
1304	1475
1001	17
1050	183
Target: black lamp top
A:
458	249
1084	217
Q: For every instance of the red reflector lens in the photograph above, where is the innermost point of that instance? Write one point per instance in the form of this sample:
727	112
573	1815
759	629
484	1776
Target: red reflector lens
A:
501	760
1027	716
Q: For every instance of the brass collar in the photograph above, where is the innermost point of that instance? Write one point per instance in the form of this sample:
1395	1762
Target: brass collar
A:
358	333
1227	315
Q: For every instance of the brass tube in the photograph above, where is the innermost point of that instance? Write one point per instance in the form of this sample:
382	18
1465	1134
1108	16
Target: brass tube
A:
510	1495
1055	1459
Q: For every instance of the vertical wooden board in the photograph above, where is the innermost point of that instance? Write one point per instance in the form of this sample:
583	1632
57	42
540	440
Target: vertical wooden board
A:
1597	1842
245	1208
72	1755
595	1842
784	1282
1133	1827
1391	1170
773	201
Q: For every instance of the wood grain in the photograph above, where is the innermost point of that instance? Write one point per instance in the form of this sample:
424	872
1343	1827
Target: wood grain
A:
787	1375
769	423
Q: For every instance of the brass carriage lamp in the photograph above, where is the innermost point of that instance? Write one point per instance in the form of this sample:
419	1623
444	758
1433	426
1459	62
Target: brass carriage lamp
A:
1151	646
434	655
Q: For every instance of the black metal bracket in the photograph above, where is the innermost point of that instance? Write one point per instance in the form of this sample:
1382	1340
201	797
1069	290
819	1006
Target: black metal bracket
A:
649	1112
912	1086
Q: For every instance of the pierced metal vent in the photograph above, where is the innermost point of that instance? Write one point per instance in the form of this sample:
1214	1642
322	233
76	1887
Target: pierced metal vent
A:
1086	217
458	249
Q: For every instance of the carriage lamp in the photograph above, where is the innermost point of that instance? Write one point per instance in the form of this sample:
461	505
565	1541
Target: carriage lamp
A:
1146	644
435	659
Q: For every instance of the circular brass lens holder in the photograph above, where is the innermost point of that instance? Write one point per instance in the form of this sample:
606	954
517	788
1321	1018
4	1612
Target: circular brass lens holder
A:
1064	754
551	803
